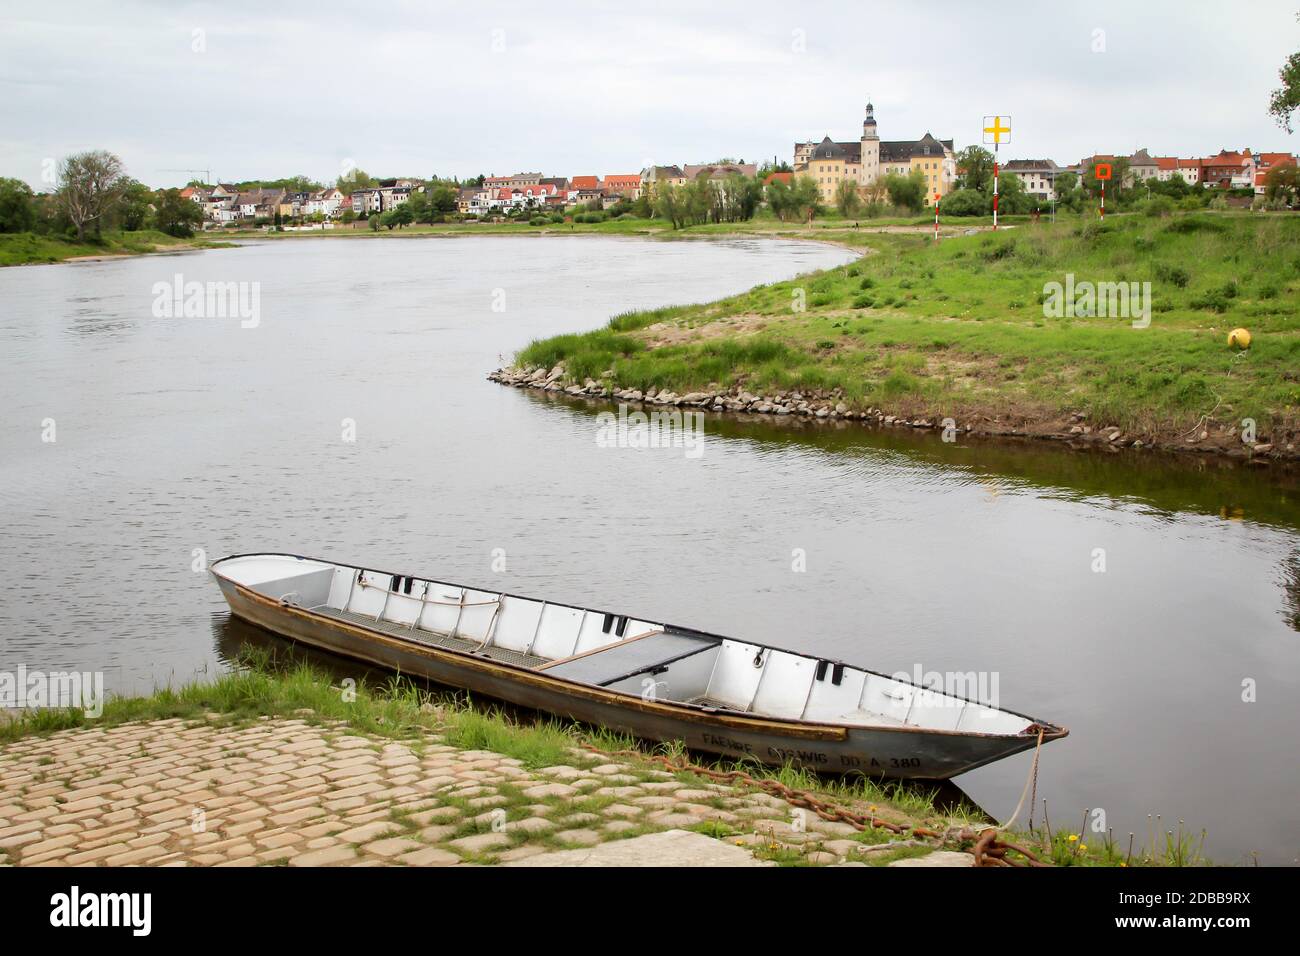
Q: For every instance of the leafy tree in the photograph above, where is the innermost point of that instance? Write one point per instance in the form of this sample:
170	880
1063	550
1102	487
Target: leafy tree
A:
1012	198
735	198
399	216
90	185
1066	182
975	169
17	206
348	216
801	199
419	207
907	192
176	215
966	202
136	205
1114	186
444	199
357	179
1286	98
1175	187
847	199
1282	184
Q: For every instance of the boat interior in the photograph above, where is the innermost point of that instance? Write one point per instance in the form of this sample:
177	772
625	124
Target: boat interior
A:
617	652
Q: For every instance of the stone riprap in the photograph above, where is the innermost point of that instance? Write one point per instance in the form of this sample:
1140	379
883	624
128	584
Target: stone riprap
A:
293	792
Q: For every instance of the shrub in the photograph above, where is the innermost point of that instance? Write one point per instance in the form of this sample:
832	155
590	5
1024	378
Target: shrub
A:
1186	225
1175	275
1213	301
1159	207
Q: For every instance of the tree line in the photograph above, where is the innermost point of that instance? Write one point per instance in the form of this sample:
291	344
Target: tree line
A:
94	194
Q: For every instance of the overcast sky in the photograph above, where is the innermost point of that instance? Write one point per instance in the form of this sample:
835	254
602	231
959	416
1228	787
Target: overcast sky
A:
268	89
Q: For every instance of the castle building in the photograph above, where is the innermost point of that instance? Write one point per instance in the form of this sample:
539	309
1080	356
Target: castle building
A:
870	159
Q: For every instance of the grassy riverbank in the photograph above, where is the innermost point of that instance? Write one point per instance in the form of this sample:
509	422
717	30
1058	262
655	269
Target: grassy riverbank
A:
831	228
957	329
447	731
25	248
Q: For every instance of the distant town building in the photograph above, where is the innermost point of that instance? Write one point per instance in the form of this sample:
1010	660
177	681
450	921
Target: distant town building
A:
1038	176
869	159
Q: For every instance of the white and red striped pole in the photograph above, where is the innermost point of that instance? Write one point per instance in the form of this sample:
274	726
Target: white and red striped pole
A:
936	217
995	186
1103	199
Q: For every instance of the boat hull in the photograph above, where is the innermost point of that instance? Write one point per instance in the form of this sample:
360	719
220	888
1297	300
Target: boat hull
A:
891	752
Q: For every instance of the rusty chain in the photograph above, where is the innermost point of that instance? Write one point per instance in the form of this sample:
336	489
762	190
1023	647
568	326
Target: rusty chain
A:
985	845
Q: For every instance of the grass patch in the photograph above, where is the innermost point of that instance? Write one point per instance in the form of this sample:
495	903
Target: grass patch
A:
959	327
25	248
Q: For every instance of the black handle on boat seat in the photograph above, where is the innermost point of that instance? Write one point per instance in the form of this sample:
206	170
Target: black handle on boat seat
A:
622	627
606	623
837	674
395	583
821	669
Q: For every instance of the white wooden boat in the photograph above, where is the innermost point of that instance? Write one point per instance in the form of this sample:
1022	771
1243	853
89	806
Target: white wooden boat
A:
659	682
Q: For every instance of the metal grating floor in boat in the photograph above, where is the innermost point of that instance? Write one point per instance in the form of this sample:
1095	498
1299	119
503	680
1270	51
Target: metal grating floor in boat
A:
420	636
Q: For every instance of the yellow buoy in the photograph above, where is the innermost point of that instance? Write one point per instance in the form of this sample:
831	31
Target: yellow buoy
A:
1239	338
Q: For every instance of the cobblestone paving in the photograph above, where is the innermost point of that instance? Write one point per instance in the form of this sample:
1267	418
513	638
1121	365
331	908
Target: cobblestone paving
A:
289	792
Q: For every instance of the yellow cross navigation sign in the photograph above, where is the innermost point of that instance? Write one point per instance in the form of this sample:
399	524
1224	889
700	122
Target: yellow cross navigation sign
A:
999	127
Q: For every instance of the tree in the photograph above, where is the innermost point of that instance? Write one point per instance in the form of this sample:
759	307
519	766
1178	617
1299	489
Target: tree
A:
966	202
176	215
907	192
847	199
90	184
1282	184
1116	188
1286	98
136	205
399	216
354	180
1012	198
444	199
419	207
798	200
17	209
975	169
736	198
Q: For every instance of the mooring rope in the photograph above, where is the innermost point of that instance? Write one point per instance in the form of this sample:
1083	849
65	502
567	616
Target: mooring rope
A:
1033	777
987	849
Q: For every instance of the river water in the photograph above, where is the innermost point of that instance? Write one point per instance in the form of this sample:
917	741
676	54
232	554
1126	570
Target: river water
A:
354	421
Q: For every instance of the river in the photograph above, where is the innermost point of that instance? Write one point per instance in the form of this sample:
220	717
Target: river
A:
353	420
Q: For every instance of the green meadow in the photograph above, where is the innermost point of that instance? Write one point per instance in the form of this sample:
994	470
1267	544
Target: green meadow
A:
958	327
26	248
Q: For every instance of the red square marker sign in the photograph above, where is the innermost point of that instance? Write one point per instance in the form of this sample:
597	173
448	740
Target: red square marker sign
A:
1101	170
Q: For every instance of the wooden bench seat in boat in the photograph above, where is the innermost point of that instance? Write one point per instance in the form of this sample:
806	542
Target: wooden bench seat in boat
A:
638	655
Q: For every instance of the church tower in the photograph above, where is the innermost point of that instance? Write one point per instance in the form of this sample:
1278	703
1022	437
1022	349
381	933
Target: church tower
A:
870	148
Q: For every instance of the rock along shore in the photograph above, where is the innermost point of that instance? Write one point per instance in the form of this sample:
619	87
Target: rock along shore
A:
1210	437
